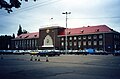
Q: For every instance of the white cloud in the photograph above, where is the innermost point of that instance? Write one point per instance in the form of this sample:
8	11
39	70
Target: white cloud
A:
34	15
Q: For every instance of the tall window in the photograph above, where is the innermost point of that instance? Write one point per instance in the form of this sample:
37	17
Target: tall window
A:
24	43
79	43
30	42
79	38
95	43
89	37
84	37
70	38
89	42
62	39
33	43
114	36
100	43
20	43
27	43
100	36
75	38
95	36
70	43
16	45
62	43
84	43
75	43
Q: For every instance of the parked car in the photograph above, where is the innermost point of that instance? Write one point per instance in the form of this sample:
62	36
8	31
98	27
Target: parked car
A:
43	53
54	53
1	51
6	51
18	52
117	53
33	52
49	53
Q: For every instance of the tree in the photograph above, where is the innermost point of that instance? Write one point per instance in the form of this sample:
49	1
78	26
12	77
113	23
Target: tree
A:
13	35
25	31
19	30
11	4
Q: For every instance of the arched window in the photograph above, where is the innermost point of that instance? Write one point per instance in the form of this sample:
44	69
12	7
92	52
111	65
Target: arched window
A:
48	41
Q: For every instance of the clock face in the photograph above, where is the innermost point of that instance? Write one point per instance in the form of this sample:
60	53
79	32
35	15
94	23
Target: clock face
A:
47	31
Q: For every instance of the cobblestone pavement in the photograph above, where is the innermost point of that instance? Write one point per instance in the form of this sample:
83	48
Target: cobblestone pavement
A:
60	67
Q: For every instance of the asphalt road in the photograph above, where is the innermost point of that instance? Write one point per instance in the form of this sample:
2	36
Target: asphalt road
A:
60	67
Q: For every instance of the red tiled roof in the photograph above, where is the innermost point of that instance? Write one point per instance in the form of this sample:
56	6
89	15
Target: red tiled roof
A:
71	31
86	30
28	35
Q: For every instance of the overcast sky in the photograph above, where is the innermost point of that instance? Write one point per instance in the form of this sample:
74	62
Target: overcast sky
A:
34	15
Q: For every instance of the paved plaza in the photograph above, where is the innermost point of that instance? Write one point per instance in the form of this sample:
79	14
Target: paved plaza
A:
60	67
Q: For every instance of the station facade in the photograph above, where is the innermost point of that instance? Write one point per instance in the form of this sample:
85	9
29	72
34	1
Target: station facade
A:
99	38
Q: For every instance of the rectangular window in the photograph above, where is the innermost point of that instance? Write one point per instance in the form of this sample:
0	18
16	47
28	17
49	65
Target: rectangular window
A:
114	36
89	37
20	43
84	37
75	43
16	44
30	42
117	36
84	43
70	43
62	39
62	43
35	43
100	43
25	42
100	36
79	37
89	42
75	38
95	36
95	43
70	38
79	43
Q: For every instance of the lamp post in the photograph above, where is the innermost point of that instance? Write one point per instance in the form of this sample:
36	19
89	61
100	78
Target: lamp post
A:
54	39
66	13
104	42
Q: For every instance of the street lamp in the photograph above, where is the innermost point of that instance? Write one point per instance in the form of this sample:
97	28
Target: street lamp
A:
66	13
54	39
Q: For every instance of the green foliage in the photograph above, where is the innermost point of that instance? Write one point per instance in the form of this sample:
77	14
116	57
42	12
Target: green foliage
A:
13	35
25	31
19	30
11	4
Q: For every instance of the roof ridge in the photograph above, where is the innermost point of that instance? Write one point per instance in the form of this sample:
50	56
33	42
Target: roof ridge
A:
89	26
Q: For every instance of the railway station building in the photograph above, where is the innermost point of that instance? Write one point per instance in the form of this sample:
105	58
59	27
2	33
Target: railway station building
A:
99	38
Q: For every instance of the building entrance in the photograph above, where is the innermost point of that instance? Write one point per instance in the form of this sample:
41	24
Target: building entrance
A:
48	41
